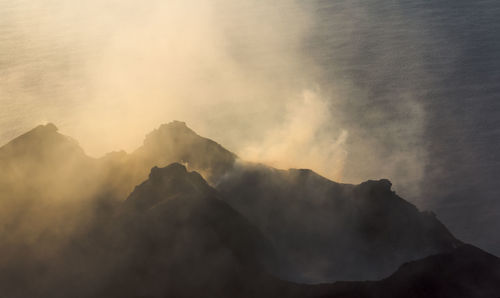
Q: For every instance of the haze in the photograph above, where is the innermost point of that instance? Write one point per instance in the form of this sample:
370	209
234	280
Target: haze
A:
352	90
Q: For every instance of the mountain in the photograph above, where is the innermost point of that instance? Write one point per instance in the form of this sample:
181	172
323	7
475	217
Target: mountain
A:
172	142
175	142
462	273
46	183
172	237
183	217
320	226
32	154
315	223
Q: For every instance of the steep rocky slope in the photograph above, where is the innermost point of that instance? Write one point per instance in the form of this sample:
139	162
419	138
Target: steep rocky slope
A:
75	226
328	231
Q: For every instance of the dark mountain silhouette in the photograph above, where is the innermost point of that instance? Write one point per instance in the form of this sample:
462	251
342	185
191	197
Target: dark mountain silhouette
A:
172	237
173	142
31	154
46	180
320	226
74	226
316	224
176	238
464	272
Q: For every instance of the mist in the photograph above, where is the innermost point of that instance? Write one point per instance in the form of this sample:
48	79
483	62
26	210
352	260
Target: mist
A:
131	67
352	90
108	72
115	202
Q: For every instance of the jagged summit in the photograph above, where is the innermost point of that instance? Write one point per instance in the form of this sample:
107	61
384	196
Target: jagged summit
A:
172	169
168	182
380	192
175	142
48	130
43	139
41	148
51	127
381	184
176	124
174	129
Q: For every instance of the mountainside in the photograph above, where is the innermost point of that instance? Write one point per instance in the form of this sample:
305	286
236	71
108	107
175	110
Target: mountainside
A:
178	239
46	185
315	223
464	272
75	226
320	226
172	237
173	142
32	154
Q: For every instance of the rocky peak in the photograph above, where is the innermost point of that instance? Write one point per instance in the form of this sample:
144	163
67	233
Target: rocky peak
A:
377	187
175	142
168	182
43	143
173	131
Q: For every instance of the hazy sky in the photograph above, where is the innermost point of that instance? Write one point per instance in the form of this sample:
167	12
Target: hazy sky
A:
406	90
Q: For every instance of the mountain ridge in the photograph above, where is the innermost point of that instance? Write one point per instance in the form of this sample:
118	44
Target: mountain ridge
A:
279	228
